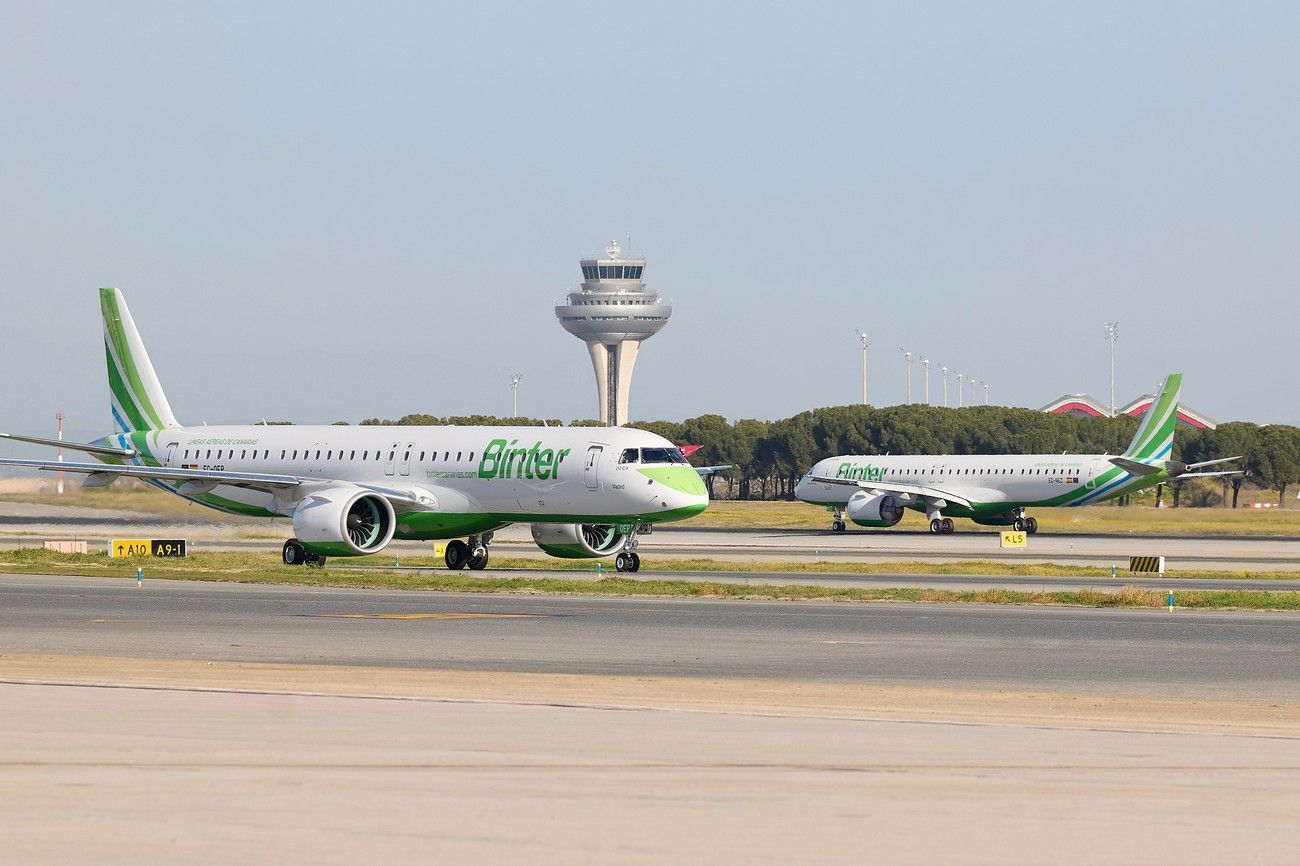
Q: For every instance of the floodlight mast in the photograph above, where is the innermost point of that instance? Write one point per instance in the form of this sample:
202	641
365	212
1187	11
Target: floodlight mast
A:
907	359
862	335
1112	334
945	387
925	365
515	379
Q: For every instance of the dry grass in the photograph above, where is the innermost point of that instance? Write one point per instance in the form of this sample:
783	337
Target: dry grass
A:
262	568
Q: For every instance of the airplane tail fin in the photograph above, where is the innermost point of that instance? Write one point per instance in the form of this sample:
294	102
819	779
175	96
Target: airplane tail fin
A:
138	399
1154	439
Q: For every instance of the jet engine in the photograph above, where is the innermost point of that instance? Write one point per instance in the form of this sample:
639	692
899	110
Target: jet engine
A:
874	509
578	540
344	521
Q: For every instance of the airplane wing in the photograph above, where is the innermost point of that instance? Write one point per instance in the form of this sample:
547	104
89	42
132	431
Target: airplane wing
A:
252	480
921	491
403	499
72	446
706	471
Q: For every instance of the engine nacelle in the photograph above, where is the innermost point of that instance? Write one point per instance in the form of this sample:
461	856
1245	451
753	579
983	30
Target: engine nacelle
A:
578	540
344	521
879	509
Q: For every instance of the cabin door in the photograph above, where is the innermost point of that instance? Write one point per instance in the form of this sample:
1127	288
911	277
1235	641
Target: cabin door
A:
591	471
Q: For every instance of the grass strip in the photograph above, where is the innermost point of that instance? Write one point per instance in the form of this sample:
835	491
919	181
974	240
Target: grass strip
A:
260	568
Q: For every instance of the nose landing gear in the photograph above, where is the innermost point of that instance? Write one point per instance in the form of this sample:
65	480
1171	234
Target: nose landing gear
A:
628	560
837	525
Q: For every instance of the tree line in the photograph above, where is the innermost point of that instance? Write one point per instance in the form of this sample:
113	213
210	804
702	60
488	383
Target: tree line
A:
768	457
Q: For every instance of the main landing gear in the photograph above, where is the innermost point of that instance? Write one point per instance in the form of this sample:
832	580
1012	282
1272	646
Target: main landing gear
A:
1022	523
295	554
474	554
837	525
941	526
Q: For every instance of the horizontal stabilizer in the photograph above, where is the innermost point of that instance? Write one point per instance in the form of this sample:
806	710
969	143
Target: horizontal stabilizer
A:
72	446
1218	474
1133	467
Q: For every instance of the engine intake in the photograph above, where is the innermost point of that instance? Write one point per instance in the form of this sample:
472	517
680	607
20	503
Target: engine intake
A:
344	522
578	540
880	509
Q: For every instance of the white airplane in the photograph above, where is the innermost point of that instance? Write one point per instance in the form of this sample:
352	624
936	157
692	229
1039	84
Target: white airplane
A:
587	491
996	490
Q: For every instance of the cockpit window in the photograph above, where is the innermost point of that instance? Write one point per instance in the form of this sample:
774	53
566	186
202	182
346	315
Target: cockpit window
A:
661	455
630	455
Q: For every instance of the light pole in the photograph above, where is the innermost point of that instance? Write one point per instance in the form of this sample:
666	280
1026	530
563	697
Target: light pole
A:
986	393
58	416
925	365
971	382
907	359
945	387
961	389
515	379
1112	334
862	335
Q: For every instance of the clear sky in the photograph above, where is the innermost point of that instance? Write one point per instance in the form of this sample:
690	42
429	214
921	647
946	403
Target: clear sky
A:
324	211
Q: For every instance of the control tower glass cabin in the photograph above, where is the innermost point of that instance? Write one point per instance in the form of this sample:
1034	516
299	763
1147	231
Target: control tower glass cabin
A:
612	313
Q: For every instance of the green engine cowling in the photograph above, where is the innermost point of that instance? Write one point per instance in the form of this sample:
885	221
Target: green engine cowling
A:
344	521
578	540
876	510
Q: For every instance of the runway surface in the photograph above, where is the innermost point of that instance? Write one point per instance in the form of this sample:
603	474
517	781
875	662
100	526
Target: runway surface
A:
27	524
197	722
1187	654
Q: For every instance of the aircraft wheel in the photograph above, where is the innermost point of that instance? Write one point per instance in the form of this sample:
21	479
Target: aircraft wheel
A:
457	554
837	526
636	562
478	563
294	553
947	526
623	562
1018	524
936	526
1031	525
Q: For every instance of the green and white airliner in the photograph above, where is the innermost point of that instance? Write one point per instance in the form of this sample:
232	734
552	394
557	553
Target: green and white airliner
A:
996	490
587	491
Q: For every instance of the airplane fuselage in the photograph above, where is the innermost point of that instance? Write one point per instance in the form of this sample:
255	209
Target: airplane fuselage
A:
995	485
476	478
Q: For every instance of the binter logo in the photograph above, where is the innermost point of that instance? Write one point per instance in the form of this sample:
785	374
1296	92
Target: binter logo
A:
860	473
503	459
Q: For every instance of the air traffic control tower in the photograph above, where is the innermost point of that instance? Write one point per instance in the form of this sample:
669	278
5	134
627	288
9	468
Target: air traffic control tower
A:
612	314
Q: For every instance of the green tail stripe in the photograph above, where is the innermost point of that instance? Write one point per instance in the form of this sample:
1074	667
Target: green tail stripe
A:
1162	417
113	330
132	411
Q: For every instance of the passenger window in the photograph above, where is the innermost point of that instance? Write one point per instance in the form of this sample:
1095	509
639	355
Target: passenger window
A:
406	457
295	454
446	455
243	454
365	455
421	456
471	457
458	456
